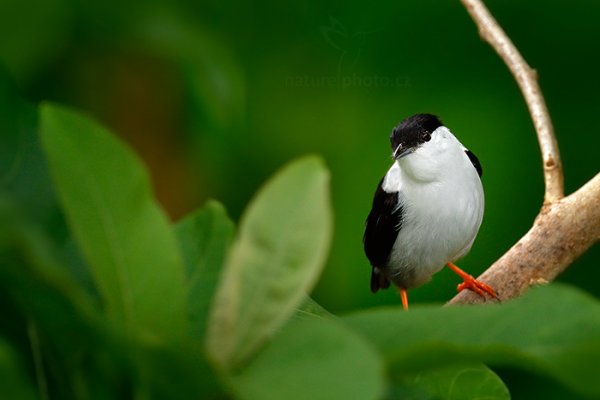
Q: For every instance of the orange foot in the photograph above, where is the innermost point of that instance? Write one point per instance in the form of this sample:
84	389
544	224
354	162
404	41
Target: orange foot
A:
472	284
404	297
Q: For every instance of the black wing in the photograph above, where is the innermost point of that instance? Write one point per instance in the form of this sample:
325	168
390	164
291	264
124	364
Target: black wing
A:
475	162
381	229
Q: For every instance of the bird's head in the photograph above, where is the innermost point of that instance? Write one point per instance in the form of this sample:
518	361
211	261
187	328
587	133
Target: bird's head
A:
424	147
412	133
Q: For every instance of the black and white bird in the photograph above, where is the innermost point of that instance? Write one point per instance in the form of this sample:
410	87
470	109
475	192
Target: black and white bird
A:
426	210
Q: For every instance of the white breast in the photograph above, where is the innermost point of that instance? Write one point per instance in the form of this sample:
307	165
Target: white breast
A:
442	206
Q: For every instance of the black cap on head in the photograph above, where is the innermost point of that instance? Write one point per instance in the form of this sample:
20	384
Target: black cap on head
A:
414	131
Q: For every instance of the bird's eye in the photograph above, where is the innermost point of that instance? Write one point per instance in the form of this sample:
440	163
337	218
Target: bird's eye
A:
426	136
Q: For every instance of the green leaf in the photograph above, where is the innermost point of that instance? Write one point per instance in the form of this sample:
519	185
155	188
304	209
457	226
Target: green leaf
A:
309	308
124	235
74	351
312	359
204	238
453	382
69	345
276	258
174	372
25	177
552	330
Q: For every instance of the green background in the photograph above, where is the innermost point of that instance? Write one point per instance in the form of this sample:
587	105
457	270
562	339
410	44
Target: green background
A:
216	95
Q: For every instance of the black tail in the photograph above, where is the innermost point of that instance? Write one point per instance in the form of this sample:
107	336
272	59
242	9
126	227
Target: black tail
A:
378	280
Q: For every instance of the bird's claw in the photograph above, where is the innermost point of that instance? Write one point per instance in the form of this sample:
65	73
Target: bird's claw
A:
477	286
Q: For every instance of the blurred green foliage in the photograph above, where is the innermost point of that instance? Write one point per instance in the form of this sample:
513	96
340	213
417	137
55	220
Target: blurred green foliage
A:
178	312
216	95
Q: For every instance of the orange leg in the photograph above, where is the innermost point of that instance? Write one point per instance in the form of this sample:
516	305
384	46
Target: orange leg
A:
472	284
404	297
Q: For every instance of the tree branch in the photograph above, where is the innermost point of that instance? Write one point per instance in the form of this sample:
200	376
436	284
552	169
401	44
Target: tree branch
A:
561	232
526	77
566	226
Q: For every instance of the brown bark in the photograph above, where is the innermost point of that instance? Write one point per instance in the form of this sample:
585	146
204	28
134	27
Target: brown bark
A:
566	226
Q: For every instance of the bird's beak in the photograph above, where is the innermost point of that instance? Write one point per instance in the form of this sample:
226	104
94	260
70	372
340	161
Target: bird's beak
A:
401	152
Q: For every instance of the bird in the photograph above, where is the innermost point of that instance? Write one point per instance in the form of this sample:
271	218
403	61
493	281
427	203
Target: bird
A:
427	209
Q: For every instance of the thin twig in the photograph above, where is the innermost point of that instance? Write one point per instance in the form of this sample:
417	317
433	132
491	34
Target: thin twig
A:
526	78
